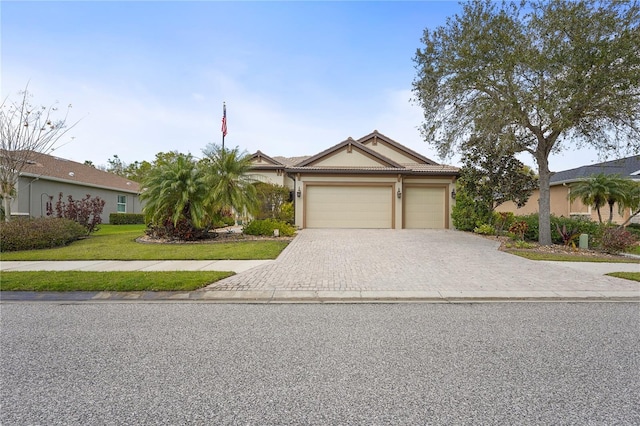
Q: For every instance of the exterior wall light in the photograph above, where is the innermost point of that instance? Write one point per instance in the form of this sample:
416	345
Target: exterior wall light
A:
399	193
453	193
299	193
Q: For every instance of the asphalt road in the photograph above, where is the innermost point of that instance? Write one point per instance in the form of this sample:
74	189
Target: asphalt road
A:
137	363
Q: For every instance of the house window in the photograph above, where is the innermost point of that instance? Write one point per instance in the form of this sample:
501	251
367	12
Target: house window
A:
122	203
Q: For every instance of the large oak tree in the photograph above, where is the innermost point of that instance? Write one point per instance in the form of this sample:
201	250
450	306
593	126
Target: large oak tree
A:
549	75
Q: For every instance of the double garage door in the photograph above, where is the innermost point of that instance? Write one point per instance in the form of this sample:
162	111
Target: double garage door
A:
371	206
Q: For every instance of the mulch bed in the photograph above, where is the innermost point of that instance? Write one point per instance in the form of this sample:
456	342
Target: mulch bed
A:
221	236
556	249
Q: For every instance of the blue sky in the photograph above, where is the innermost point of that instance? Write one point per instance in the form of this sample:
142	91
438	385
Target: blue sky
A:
297	77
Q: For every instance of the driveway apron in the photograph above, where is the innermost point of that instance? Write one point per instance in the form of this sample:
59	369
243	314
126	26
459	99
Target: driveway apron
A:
412	260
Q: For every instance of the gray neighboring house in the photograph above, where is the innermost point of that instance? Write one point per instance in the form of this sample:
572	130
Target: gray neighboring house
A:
47	175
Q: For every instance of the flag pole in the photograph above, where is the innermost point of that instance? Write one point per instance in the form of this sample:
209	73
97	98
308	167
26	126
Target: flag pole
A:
224	123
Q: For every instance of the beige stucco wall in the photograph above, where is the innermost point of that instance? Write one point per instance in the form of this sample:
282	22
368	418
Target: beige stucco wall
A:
344	158
275	177
559	203
561	206
390	153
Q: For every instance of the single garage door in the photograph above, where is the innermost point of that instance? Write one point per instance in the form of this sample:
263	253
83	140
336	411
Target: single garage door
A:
424	208
349	206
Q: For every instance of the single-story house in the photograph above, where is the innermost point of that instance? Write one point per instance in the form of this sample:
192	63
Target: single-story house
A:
371	182
560	190
47	176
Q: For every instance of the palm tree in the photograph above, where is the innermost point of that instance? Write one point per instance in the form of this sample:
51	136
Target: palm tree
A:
599	190
176	190
631	200
227	172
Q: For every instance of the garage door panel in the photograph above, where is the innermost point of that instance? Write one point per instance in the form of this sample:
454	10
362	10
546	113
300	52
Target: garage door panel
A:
424	208
349	206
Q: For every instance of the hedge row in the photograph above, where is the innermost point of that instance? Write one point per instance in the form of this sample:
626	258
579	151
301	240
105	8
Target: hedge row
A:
39	233
126	219
267	226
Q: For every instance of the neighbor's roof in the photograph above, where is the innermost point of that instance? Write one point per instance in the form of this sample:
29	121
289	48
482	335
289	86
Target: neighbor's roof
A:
54	168
626	167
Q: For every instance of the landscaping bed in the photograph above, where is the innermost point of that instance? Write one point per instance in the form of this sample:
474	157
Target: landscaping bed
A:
562	253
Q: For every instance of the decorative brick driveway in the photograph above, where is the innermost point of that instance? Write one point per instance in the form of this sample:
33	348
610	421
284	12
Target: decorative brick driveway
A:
412	260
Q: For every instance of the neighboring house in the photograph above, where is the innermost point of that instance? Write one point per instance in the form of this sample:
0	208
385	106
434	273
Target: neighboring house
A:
560	188
372	182
47	176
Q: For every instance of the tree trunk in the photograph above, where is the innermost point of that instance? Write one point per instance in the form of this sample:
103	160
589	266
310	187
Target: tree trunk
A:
6	203
544	202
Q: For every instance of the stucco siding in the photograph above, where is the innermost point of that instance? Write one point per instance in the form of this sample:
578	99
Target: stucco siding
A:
33	195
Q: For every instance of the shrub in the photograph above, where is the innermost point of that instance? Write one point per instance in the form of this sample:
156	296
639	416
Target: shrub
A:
616	240
266	226
634	228
580	225
126	219
485	229
183	230
287	212
271	200
467	214
503	220
86	211
519	228
223	218
39	233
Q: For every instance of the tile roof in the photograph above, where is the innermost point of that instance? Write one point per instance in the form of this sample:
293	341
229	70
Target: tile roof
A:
55	168
625	167
291	161
422	166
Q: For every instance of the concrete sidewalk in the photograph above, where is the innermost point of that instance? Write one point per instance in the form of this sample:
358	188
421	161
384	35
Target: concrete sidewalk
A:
236	266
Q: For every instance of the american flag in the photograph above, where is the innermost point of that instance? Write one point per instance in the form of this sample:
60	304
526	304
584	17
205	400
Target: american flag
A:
224	120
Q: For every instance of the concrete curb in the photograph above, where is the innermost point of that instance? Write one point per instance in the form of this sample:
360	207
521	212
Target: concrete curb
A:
301	296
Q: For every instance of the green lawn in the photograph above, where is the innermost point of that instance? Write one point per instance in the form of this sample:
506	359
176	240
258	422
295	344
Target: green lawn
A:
634	276
117	242
108	281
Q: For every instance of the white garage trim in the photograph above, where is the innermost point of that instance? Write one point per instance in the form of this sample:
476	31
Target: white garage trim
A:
348	205
425	207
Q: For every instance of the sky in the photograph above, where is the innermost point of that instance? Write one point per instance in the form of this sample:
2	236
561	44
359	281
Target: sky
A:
297	77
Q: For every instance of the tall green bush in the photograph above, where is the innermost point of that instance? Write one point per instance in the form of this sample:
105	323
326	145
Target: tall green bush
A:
467	214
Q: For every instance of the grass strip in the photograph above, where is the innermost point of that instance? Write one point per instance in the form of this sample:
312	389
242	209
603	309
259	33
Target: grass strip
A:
558	257
118	242
633	276
108	281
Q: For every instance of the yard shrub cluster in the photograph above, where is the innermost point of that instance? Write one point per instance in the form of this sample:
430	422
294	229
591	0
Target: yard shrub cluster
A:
274	202
223	218
266	227
126	219
617	240
183	229
87	211
566	231
39	233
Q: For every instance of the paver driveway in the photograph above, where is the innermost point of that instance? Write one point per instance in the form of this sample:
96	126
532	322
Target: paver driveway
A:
412	260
